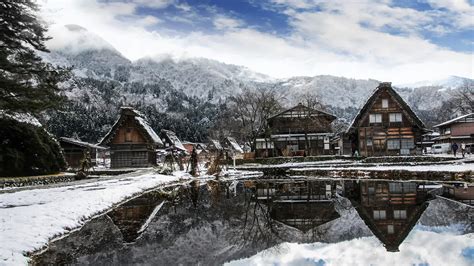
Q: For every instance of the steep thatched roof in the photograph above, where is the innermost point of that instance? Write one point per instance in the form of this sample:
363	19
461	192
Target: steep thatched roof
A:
126	113
363	112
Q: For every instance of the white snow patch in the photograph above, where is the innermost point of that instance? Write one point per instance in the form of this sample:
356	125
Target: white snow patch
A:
30	218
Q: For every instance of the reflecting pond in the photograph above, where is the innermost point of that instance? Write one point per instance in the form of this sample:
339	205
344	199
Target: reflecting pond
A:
277	221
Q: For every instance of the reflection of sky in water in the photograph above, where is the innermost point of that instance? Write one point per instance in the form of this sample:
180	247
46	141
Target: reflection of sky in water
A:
421	247
468	253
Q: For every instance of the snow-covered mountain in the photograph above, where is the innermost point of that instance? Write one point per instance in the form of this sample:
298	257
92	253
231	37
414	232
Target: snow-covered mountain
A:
104	77
450	82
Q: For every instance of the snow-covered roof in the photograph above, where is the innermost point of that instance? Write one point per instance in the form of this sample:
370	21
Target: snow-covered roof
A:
234	145
148	129
456	120
301	110
81	143
373	96
171	136
214	144
141	121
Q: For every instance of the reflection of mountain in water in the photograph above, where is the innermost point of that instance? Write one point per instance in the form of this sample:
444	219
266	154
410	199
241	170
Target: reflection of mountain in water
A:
220	221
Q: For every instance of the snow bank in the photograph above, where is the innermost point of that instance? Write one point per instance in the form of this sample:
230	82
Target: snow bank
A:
30	218
413	168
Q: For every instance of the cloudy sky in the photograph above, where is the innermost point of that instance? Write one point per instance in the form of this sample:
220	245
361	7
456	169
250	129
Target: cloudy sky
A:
401	41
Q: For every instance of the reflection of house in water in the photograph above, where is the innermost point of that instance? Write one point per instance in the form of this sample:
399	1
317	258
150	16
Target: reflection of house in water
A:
461	192
299	204
133	217
390	209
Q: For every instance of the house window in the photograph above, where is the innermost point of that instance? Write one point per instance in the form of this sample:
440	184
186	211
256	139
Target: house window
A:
407	144
393	144
371	191
375	118
369	142
390	229
395	117
380	215
399	214
409	187
384	103
395	187
447	130
128	135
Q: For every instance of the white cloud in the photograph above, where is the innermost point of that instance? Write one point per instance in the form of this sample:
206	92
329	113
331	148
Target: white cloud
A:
344	39
420	248
148	21
222	23
461	11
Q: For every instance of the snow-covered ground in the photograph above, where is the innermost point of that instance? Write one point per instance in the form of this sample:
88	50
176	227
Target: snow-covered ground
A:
30	218
461	167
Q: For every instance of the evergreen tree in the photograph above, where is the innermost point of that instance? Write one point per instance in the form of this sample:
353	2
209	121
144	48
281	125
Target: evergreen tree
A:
27	84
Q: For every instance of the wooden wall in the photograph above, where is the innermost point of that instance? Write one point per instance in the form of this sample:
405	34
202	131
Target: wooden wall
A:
129	127
373	137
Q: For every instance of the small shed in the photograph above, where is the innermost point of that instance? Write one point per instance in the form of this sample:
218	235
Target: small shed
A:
171	141
231	144
75	150
132	141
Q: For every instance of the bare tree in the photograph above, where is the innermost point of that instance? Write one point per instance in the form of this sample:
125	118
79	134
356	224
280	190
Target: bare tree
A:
312	102
252	108
462	102
464	97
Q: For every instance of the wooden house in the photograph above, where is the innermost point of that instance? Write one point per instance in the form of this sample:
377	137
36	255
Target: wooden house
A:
214	148
461	192
171	141
390	209
132	141
459	129
298	131
385	125
202	152
232	148
75	151
300	204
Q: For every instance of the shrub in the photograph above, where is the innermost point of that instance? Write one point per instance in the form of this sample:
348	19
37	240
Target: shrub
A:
27	149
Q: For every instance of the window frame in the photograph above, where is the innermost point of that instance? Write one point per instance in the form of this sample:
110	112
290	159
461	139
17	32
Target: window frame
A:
390	143
400	214
390	229
380	214
375	120
384	103
395	117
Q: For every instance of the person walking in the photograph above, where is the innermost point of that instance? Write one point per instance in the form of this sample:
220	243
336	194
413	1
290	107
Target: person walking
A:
463	148
454	147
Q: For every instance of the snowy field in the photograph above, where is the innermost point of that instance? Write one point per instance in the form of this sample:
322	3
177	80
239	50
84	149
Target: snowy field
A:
30	218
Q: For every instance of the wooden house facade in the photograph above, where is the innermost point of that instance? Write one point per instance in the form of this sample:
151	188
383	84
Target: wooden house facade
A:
385	125
459	129
75	151
132	141
390	209
303	205
298	131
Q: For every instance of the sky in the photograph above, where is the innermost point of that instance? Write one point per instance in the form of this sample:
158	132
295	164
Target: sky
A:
400	41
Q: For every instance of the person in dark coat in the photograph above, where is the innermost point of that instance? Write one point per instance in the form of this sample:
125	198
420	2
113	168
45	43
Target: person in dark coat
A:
454	147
